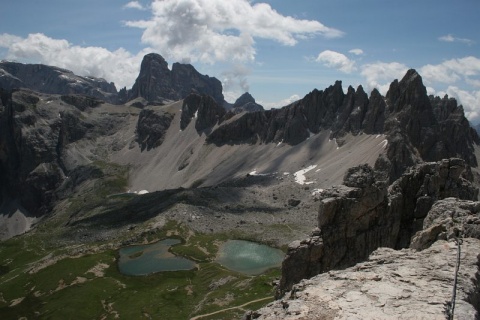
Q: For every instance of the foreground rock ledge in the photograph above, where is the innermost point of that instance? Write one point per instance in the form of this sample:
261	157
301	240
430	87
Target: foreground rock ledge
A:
404	284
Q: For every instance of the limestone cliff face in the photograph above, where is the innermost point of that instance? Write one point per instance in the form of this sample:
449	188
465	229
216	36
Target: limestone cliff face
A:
204	109
38	133
362	215
156	82
53	80
151	128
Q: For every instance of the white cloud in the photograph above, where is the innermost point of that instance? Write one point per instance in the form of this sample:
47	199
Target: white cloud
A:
236	78
380	74
357	52
219	30
336	60
134	5
280	103
453	70
118	66
469	100
451	38
6	40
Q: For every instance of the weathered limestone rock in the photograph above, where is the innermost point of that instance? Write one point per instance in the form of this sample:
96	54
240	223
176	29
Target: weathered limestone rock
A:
412	196
448	219
362	215
404	284
353	221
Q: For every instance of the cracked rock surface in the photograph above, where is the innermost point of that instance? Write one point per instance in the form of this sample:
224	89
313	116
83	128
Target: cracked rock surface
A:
404	284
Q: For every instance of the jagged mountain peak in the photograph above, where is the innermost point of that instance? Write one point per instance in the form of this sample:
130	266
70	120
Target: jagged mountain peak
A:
156	83
244	99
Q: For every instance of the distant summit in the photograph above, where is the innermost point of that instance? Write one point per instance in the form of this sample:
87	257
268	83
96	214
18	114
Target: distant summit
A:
156	82
246	103
53	80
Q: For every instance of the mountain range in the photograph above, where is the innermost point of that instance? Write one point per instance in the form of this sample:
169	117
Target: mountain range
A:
69	143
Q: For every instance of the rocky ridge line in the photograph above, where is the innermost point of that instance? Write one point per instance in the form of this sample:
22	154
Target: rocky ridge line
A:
54	80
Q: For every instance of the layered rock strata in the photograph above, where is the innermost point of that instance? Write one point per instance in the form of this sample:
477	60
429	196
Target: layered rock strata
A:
362	215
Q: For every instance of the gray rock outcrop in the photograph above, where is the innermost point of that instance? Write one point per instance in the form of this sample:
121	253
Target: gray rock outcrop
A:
362	215
391	284
448	219
204	109
152	126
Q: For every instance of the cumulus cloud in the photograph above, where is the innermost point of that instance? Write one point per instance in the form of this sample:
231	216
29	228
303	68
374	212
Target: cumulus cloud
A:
236	78
380	74
219	30
134	5
118	66
280	103
357	52
337	60
451	38
453	70
469	100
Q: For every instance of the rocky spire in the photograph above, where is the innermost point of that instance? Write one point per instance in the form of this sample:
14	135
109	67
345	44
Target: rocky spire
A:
156	82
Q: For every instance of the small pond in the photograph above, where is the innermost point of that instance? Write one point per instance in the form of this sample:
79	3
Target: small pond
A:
249	257
146	259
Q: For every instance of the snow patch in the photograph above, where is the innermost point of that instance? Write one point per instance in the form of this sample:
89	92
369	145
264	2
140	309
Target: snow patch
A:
384	142
196	114
300	175
255	173
279	143
138	192
317	192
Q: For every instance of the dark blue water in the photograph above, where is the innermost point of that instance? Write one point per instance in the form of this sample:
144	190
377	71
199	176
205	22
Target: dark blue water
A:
249	257
151	258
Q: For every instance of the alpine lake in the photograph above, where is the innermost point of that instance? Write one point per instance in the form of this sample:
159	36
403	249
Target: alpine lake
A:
242	256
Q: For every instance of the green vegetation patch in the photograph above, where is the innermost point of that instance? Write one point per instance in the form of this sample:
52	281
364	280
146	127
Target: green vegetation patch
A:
90	286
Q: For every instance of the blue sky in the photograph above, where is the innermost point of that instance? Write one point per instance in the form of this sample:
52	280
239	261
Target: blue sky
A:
278	50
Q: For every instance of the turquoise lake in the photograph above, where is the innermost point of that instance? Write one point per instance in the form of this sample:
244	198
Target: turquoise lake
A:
249	257
146	259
